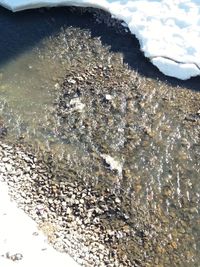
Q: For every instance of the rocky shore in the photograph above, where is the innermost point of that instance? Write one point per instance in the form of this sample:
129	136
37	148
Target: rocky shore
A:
77	219
94	225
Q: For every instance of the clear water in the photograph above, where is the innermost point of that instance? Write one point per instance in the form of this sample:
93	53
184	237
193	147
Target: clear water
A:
161	159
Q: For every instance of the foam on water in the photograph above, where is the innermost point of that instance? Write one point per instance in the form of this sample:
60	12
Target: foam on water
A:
168	30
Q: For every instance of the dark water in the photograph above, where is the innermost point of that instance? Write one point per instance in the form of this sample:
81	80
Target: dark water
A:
147	123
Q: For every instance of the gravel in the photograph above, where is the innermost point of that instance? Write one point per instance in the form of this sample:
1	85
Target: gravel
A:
95	226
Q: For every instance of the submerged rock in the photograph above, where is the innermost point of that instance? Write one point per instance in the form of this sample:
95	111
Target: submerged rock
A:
3	129
114	164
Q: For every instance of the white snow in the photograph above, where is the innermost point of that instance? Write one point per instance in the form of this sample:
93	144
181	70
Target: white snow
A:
20	235
170	67
168	30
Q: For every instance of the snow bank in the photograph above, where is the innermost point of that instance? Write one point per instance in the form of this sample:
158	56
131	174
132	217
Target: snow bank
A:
21	244
168	30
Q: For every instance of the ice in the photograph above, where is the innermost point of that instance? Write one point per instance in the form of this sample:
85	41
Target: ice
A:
170	67
168	30
20	235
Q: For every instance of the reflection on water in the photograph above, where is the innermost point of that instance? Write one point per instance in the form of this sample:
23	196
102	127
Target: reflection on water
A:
77	98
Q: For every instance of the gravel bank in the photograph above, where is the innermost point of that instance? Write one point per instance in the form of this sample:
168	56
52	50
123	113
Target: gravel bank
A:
77	219
95	226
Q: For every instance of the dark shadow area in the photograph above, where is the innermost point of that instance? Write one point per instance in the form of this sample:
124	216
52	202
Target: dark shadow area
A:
22	30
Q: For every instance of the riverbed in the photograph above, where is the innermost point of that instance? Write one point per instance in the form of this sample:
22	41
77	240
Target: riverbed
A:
100	116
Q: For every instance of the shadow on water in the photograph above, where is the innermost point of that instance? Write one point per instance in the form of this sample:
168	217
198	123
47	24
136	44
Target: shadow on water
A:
22	30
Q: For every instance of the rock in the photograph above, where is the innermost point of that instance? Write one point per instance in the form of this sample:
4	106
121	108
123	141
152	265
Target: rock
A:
71	81
117	200
57	86
114	164
14	257
76	104
108	97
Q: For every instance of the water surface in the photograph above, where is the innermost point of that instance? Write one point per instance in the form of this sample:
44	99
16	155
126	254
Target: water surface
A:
50	59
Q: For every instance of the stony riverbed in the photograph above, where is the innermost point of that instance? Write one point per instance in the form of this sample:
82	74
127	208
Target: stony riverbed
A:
109	168
95	225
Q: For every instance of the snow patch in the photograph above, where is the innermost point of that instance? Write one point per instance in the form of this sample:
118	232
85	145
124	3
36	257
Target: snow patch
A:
21	243
165	28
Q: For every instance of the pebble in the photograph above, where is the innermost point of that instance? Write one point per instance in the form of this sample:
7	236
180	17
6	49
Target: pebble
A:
14	257
71	81
108	97
5	159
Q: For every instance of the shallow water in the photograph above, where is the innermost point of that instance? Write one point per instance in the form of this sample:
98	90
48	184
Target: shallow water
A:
150	128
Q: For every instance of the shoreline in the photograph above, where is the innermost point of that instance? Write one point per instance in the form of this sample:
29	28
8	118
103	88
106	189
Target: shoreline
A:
96	227
21	242
134	58
183	64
